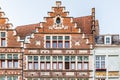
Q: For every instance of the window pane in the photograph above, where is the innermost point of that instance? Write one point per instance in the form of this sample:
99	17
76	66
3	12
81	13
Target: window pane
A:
15	56
102	64
66	44
35	58
54	65
67	58
9	78
97	64
54	37
85	66
72	58
60	65
79	66
3	34
85	58
15	77
60	44
79	58
97	57
54	44
35	65
3	63
10	64
42	58
47	58
72	65
54	58
42	66
30	65
67	38
47	37
60	58
47	44
48	66
3	42
15	64
9	56
60	38
2	56
30	58
2	77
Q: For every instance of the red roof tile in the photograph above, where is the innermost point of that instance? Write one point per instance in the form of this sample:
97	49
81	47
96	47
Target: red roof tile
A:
84	23
25	30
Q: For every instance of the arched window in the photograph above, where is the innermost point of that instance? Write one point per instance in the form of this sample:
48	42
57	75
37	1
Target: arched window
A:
58	20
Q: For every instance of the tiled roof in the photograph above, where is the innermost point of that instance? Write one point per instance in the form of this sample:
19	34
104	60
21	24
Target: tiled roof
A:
25	30
84	23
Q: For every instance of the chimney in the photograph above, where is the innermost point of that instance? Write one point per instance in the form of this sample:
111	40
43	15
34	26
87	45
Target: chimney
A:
93	21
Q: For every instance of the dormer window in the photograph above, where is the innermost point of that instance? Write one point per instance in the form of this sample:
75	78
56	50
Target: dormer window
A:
107	39
58	20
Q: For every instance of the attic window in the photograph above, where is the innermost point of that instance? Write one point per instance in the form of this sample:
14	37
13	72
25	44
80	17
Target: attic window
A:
58	20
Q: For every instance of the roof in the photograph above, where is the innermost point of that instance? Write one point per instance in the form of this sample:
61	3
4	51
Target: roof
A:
25	30
85	23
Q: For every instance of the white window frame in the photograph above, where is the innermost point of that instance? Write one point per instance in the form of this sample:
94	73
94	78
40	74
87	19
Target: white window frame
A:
105	39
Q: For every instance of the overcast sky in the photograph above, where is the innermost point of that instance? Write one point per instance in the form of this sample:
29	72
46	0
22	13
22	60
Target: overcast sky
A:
23	12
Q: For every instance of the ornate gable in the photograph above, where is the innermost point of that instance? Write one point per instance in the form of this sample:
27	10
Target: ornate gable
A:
58	21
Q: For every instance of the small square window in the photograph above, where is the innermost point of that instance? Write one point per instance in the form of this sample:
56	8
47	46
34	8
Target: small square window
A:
9	56
30	58
60	38
54	58
2	56
35	58
42	58
3	34
15	56
47	37
47	58
67	38
54	37
79	58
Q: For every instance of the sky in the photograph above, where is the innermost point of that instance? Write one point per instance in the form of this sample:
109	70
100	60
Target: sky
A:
23	12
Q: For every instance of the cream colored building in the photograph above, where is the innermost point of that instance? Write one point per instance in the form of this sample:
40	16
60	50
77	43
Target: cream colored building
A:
107	57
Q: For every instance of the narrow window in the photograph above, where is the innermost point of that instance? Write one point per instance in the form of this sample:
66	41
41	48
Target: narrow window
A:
58	20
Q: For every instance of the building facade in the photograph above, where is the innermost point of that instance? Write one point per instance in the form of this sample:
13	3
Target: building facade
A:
107	57
60	48
11	51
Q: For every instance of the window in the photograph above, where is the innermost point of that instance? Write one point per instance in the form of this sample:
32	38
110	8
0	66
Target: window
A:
60	66
83	62
54	65
79	66
57	41
47	41
3	63
42	66
72	65
15	64
48	66
107	39
85	66
9	63
8	77
3	39
30	65
58	20
9	60
100	62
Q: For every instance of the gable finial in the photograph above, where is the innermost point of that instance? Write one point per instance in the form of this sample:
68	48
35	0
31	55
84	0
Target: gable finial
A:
58	3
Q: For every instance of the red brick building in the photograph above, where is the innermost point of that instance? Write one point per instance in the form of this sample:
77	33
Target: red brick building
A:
58	48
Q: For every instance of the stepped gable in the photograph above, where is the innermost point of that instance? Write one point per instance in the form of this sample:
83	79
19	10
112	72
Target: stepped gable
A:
85	23
25	30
